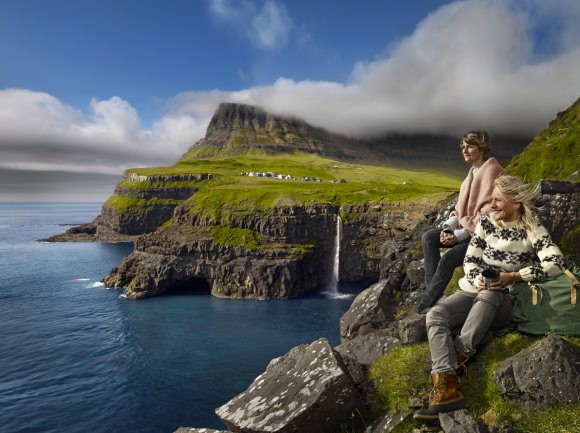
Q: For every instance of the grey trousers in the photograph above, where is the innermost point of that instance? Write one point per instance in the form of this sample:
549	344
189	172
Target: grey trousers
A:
475	313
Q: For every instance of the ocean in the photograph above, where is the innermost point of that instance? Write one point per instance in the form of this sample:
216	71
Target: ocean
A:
77	357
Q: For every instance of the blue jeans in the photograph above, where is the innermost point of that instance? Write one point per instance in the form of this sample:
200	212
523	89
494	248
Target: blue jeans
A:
438	269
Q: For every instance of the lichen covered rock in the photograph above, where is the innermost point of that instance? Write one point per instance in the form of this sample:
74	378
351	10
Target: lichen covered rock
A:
359	353
370	310
306	390
541	376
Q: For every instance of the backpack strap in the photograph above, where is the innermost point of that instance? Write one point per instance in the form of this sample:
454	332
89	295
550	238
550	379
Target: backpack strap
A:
536	293
575	286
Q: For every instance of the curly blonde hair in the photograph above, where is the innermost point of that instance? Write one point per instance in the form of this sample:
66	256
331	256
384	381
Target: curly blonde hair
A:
519	192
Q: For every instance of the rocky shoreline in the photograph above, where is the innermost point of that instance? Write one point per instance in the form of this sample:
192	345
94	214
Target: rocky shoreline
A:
319	388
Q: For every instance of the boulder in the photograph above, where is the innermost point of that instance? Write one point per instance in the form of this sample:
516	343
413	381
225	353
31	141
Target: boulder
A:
198	430
416	275
359	353
387	423
369	310
413	329
459	421
541	376
306	390
560	207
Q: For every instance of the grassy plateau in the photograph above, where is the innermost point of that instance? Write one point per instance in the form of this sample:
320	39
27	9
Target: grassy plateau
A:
229	191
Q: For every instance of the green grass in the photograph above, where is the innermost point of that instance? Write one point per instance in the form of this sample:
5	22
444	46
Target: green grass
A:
403	373
398	376
554	153
486	404
132	205
236	237
570	244
229	195
158	184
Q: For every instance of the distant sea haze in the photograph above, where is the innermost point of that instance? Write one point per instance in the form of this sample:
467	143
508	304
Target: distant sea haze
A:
76	357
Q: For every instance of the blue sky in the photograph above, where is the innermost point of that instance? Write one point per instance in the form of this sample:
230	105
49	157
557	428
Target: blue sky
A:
97	86
149	51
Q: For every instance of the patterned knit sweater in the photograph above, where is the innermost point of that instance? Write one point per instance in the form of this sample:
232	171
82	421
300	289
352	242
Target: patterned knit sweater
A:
510	249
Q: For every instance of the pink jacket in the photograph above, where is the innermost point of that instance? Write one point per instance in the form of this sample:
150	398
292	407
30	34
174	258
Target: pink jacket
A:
475	194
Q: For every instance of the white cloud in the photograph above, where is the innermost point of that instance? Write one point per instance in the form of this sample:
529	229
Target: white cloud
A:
272	25
38	132
468	65
267	27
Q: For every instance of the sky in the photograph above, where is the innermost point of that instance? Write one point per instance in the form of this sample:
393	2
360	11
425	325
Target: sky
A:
89	88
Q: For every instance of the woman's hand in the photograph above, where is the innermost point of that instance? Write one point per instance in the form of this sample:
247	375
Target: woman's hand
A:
504	280
447	240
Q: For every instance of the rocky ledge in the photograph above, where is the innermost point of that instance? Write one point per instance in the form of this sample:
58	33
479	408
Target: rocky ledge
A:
284	253
324	389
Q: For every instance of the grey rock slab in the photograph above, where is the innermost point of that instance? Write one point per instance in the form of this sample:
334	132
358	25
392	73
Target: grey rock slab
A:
541	376
198	430
359	353
416	274
305	390
459	421
369	310
387	423
413	329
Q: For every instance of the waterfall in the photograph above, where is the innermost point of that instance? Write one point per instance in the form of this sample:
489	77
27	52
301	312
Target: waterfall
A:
333	285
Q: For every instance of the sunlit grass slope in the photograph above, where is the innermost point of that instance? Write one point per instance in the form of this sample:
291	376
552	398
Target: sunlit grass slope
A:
229	191
555	152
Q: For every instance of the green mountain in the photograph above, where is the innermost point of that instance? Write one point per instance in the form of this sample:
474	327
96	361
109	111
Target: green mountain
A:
555	152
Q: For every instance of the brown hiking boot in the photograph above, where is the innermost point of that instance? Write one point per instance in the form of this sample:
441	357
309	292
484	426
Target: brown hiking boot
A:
461	363
443	397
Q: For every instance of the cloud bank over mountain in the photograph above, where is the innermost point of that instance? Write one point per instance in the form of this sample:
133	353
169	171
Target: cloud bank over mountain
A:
470	64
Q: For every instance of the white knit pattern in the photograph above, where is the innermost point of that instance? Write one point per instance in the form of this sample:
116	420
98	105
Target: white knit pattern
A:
510	249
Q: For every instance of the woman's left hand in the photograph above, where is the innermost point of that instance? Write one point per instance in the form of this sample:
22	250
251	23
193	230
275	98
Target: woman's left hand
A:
449	241
504	280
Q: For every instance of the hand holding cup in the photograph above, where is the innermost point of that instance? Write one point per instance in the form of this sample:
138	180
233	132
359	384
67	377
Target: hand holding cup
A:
491	280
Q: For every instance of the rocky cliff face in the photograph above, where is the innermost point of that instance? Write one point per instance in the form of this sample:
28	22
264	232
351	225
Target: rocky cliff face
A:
237	128
291	253
140	203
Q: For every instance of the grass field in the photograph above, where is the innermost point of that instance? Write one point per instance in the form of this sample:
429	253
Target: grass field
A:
229	191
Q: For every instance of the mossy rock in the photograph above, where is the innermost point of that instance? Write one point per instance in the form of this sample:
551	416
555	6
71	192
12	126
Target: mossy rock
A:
403	373
570	244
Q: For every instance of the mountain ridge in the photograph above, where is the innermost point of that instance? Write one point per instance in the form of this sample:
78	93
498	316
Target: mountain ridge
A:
236	129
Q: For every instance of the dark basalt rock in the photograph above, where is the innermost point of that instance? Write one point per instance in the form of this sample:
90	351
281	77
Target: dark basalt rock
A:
198	430
541	376
559	207
370	310
412	329
359	353
185	251
459	421
306	390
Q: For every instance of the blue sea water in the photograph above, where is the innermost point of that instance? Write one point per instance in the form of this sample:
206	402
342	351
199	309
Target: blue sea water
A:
76	357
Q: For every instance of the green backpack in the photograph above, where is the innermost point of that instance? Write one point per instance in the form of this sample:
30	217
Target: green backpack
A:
549	306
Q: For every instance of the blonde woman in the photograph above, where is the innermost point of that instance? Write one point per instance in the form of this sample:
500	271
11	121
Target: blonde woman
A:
473	202
509	241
